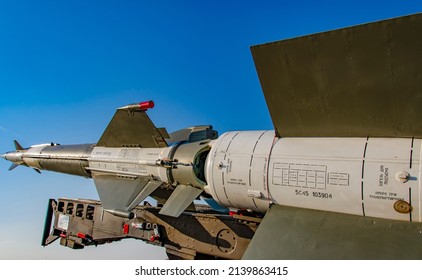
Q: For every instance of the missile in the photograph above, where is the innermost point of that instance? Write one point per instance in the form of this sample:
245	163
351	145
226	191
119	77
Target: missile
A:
247	170
339	145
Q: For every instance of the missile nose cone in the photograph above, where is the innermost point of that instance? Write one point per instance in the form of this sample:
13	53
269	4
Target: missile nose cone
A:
15	157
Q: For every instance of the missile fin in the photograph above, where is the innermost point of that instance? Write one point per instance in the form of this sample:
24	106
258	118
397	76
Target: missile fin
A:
298	233
181	198
132	128
192	134
345	83
18	146
150	187
215	206
163	132
122	193
13	166
179	135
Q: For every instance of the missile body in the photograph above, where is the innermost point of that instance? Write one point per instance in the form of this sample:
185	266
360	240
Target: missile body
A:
375	177
179	164
250	170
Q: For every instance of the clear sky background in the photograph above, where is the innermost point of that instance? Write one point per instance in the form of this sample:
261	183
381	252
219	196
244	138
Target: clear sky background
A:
65	66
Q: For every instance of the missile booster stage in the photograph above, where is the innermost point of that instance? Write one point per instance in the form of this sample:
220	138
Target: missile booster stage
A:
376	177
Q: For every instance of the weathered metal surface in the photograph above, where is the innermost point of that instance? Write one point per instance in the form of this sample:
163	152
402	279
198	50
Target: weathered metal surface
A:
298	233
132	128
360	81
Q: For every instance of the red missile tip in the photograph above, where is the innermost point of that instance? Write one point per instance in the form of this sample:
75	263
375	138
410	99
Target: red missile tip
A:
146	105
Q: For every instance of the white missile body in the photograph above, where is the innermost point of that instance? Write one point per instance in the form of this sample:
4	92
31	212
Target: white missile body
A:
375	177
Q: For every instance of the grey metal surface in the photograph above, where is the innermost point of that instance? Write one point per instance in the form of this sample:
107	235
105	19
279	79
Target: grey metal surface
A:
364	80
192	134
179	200
150	187
191	158
80	151
119	193
297	233
132	128
69	159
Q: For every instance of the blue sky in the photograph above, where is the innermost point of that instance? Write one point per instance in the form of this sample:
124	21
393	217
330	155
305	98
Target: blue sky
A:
65	66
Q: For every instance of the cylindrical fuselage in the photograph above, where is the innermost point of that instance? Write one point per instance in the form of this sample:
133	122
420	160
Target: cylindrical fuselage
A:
182	164
69	159
376	177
